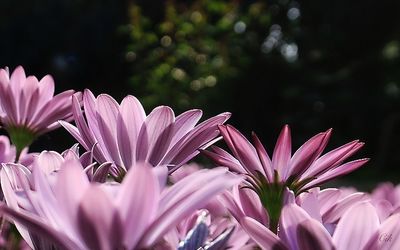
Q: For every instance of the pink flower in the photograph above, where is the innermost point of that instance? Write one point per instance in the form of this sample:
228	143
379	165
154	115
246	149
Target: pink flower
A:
124	135
305	169
28	107
72	213
268	178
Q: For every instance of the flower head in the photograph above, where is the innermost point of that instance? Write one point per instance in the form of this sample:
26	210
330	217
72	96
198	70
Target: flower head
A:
305	169
28	107
63	209
269	178
124	135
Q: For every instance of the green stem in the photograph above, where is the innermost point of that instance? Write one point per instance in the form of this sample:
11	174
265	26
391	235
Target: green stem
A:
21	137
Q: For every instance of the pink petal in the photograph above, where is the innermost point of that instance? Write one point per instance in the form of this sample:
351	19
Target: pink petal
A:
312	235
107	113
95	218
46	88
184	123
308	152
336	172
386	238
264	158
244	151
356	226
49	161
189	144
291	216
331	159
282	153
261	235
199	197
71	185
154	128
222	159
336	211
137	202
130	121
40	228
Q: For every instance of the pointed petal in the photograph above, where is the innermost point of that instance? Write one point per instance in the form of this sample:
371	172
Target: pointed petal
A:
336	172
244	151
332	158
308	152
282	153
264	158
184	123
224	160
187	147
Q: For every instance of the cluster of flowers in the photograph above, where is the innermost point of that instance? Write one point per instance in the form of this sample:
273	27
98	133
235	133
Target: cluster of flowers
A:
130	187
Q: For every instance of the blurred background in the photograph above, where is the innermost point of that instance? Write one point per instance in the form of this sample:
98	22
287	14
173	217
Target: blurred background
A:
313	65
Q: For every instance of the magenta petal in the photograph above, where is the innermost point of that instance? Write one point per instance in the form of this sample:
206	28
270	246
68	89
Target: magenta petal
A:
336	172
356	226
187	147
261	235
224	160
232	205
264	158
251	205
74	132
308	152
244	151
312	235
282	152
331	159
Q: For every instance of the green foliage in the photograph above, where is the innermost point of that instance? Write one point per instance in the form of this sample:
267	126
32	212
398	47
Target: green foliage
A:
190	56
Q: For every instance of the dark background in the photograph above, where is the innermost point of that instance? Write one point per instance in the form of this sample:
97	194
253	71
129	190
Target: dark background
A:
312	64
